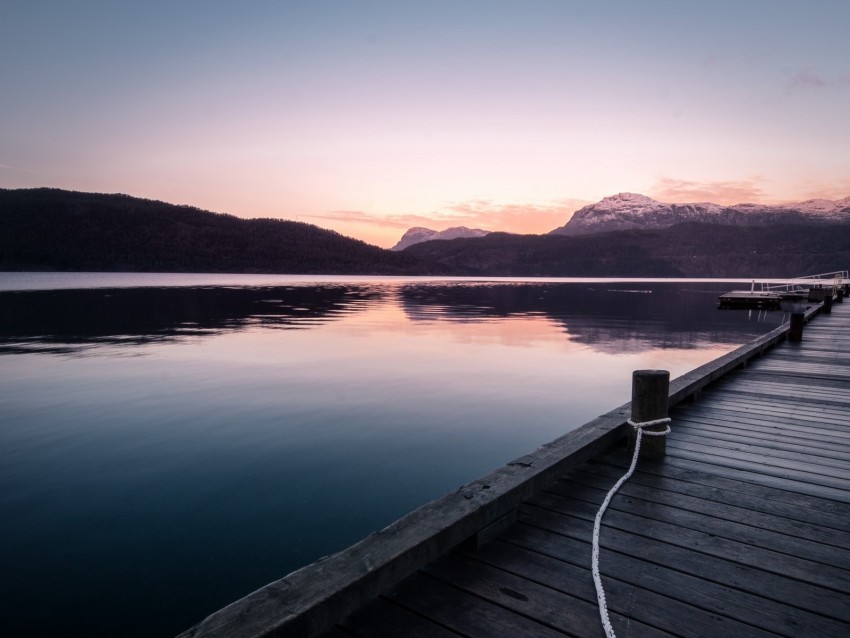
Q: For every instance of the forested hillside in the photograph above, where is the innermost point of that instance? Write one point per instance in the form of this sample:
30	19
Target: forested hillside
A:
51	229
684	250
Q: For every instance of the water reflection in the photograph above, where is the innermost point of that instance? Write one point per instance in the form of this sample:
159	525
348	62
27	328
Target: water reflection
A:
75	321
268	425
609	318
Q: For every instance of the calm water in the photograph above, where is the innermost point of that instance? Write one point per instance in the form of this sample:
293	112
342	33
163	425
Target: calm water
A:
169	443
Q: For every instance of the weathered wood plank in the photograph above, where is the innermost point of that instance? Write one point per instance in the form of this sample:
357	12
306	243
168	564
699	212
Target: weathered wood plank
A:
769	458
824	539
746	420
709	517
741	417
756	499
547	603
731	573
644	606
718	600
794	479
689	531
465	613
721	436
742	472
383	619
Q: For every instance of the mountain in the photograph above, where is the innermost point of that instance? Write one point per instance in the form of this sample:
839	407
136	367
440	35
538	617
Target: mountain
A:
418	234
692	249
632	211
52	229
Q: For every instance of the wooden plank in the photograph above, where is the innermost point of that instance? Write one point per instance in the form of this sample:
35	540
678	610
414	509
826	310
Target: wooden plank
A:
464	613
383	619
794	479
744	418
824	537
838	398
810	394
803	384
718	600
748	496
718	435
803	435
744	473
626	598
709	517
689	531
718	569
794	437
783	446
769	458
725	394
729	413
547	603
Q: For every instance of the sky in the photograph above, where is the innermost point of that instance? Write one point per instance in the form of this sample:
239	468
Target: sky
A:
371	117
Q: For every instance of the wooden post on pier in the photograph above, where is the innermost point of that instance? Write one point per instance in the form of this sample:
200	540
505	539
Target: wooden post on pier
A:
795	332
827	302
839	295
650	389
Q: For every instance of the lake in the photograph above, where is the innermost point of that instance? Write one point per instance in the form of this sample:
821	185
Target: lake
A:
172	442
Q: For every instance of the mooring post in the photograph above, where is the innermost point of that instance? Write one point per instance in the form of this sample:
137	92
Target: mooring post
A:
795	332
827	303
839	295
650	389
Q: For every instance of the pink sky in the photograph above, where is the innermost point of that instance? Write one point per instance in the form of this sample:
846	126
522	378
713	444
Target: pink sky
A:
372	117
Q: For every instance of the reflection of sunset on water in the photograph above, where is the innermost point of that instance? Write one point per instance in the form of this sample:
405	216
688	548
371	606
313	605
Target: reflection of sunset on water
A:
189	420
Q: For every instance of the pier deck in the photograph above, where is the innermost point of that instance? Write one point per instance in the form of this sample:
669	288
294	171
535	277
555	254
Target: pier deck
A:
743	530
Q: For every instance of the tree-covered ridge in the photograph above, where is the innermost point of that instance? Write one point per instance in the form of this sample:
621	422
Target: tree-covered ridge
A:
53	229
685	250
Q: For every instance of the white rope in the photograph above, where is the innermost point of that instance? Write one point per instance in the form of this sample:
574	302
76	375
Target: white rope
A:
597	579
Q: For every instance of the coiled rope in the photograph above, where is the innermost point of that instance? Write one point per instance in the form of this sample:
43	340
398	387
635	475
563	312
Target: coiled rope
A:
597	579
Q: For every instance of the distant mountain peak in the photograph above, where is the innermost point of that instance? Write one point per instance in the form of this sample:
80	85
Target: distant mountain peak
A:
626	211
418	234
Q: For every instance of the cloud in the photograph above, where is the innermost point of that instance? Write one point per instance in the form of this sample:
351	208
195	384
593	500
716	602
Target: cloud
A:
528	218
680	191
811	80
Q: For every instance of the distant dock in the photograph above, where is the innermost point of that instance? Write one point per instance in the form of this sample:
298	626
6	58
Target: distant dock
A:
743	529
763	295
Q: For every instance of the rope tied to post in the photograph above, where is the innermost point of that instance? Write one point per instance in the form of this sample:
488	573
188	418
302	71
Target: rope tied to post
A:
597	523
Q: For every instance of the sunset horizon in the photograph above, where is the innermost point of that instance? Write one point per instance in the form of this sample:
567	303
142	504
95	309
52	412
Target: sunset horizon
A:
374	117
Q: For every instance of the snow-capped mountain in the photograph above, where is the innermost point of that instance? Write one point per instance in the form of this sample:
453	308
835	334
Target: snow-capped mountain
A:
418	234
629	210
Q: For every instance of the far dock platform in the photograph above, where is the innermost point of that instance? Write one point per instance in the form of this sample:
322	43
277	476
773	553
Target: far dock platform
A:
742	530
765	295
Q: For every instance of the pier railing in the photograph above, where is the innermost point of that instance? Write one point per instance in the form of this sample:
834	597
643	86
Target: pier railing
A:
801	284
310	600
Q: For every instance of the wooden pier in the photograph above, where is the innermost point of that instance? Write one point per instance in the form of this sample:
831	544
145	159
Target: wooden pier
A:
742	530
